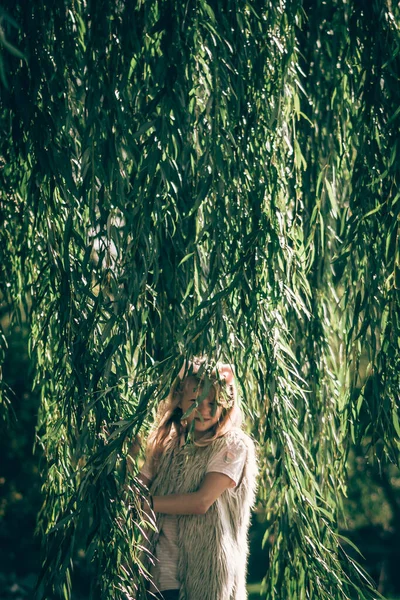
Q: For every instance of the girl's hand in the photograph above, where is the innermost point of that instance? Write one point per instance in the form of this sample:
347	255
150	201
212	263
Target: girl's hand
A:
197	503
147	504
143	479
144	510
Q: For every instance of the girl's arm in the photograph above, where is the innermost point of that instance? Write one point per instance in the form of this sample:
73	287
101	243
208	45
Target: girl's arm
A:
196	503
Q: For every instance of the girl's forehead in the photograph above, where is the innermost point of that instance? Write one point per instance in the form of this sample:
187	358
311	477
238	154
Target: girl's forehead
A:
191	385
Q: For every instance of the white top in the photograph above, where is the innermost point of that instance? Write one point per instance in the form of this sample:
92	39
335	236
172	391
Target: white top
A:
229	461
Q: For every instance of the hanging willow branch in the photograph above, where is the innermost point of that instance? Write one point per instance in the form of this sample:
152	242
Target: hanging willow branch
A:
204	177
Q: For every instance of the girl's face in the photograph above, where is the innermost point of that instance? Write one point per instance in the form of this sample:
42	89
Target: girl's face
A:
207	413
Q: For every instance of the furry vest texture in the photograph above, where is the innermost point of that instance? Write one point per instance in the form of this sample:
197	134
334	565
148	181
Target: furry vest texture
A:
213	548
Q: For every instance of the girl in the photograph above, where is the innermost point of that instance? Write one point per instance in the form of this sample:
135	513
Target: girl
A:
201	474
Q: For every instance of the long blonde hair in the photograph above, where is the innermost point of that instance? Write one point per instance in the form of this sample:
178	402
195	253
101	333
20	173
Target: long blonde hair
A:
169	427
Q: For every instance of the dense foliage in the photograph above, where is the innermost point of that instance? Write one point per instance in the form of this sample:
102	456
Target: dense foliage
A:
204	177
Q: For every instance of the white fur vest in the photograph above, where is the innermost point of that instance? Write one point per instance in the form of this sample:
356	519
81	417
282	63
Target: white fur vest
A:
213	548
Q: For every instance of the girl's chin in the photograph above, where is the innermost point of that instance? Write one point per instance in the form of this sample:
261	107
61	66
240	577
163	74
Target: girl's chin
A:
200	430
203	425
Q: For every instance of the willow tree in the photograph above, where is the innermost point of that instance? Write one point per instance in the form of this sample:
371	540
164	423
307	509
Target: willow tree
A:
210	178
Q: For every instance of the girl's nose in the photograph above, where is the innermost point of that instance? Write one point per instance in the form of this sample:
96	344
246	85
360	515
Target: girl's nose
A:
203	409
